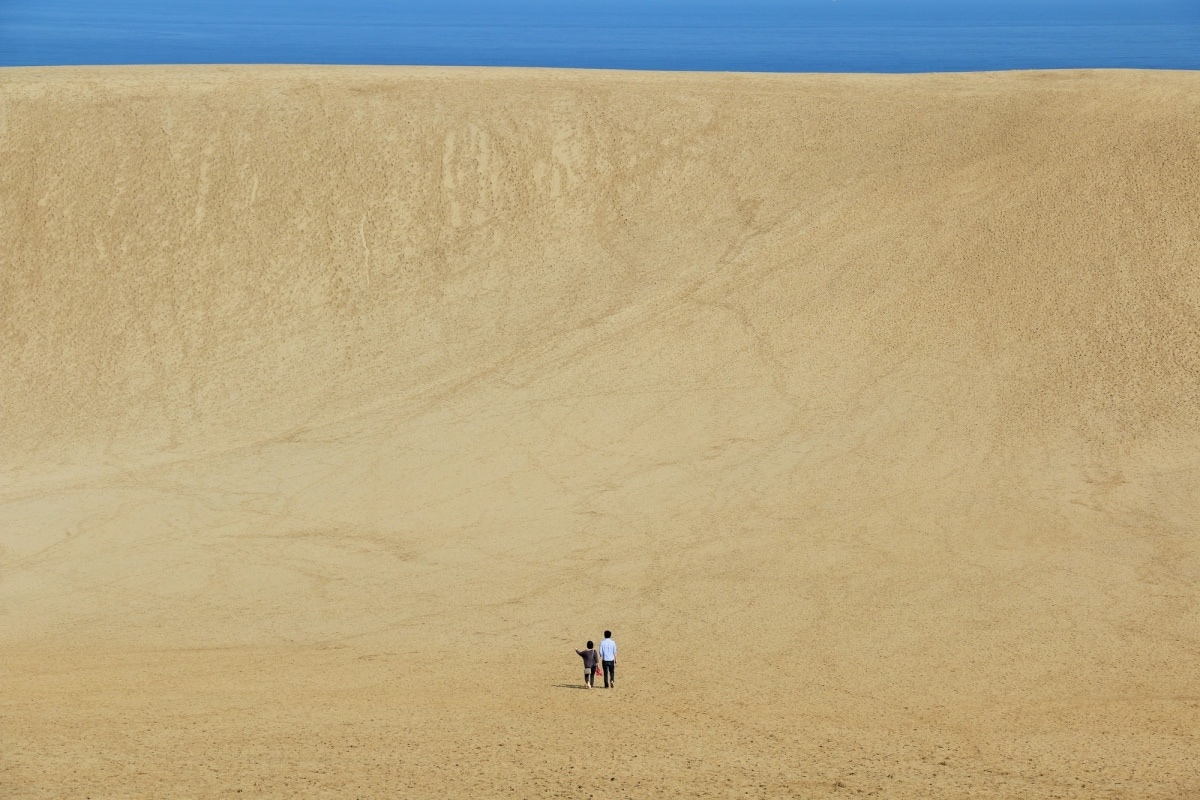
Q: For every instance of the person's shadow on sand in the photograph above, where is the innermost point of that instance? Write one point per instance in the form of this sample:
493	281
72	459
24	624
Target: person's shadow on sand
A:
569	686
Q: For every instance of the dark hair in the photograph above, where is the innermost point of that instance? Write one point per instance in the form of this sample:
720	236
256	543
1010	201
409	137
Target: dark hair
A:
607	634
590	644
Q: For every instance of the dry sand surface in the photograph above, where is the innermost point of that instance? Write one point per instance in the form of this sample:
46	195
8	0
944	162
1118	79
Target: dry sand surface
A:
341	404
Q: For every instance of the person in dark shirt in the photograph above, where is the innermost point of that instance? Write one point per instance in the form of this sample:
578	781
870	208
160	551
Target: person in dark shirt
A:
590	657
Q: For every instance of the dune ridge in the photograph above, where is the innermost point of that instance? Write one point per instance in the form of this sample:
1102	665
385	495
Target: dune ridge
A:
340	404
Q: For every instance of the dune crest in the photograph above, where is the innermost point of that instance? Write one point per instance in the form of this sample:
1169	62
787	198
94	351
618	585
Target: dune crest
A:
340	404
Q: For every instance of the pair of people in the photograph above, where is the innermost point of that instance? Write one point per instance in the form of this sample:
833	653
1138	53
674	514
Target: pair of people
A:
605	657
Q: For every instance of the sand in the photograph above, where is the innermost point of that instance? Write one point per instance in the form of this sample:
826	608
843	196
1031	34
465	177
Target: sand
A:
340	405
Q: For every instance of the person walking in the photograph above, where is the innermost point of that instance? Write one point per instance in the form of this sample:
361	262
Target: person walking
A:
608	657
590	659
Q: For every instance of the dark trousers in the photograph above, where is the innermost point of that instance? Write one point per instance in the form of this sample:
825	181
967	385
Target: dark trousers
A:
589	676
610	673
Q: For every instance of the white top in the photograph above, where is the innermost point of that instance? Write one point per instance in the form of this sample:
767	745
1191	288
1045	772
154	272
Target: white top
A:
608	650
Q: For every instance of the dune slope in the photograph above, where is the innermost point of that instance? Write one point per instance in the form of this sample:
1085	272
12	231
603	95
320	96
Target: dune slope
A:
341	404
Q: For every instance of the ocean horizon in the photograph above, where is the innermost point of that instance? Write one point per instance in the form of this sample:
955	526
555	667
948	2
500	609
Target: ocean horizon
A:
132	32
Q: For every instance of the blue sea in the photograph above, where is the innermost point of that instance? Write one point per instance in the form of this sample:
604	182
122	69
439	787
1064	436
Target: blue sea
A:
802	36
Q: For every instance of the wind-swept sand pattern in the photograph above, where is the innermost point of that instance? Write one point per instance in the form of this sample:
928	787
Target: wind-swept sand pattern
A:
341	404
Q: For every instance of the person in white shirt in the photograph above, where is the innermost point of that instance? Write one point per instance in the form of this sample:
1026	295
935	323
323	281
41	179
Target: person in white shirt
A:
608	658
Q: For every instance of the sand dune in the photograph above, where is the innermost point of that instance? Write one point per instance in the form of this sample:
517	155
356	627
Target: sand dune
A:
341	404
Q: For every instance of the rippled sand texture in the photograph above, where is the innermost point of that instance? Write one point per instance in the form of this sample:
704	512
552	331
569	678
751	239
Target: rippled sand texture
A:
341	404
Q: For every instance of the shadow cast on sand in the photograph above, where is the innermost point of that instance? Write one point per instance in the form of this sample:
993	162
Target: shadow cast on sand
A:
569	686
